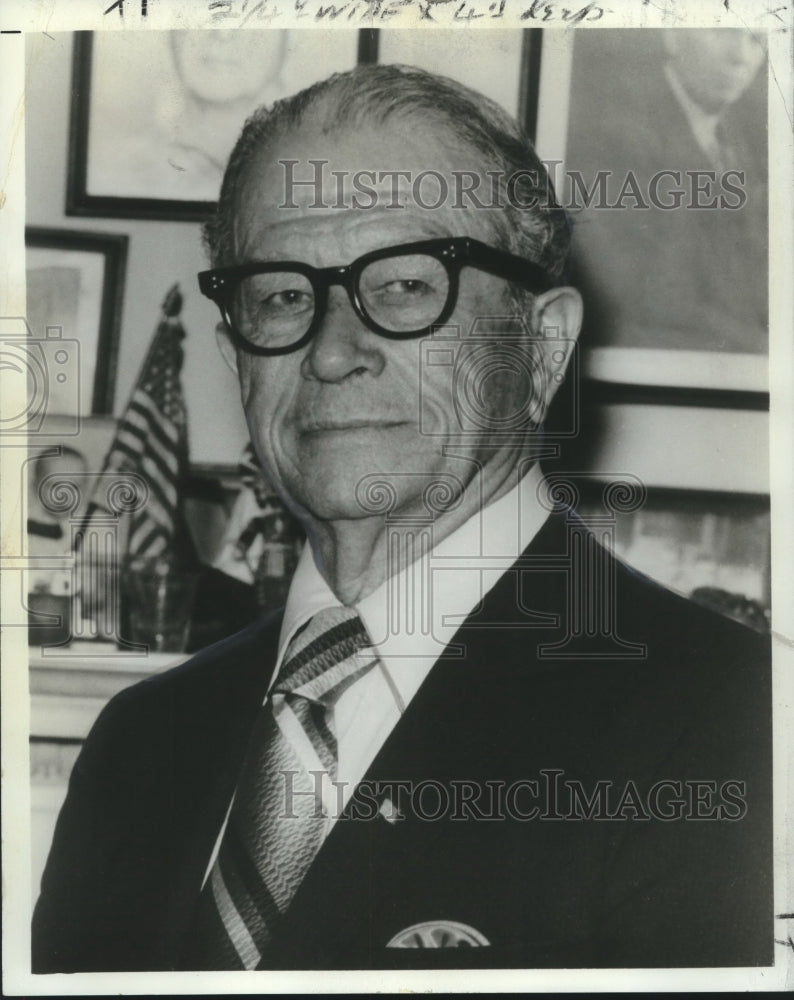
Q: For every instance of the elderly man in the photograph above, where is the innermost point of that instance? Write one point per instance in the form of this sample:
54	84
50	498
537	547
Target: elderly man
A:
470	733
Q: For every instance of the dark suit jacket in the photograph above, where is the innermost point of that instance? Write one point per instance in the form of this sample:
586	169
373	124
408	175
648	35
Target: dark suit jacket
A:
150	789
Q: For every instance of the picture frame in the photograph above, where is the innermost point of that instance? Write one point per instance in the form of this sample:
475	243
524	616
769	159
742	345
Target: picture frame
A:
503	64
676	298
75	291
187	190
711	547
113	171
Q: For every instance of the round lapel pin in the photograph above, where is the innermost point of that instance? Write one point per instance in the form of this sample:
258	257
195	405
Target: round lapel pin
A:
438	934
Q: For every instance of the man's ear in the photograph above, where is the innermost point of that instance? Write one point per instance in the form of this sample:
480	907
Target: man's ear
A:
226	346
556	322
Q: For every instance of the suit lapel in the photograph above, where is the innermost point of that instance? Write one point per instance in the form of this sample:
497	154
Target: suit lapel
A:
464	723
213	722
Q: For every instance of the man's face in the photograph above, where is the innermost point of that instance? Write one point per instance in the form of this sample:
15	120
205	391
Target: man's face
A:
715	65
226	65
347	405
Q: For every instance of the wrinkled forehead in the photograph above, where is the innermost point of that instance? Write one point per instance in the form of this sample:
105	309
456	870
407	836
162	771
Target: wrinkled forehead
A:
404	163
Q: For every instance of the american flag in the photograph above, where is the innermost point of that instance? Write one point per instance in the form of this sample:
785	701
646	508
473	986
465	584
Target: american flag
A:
151	438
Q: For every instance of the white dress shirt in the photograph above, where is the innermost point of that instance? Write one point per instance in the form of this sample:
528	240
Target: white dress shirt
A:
702	123
411	618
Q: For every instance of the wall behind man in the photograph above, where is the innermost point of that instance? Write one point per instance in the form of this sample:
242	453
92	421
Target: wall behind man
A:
160	253
675	447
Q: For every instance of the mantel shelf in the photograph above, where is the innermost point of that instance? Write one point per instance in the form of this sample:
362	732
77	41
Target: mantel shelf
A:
70	685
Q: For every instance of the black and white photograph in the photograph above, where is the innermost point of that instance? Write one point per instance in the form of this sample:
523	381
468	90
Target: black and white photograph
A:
75	284
156	116
666	167
666	180
399	600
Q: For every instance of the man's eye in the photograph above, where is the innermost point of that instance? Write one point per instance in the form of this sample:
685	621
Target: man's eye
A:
406	287
290	300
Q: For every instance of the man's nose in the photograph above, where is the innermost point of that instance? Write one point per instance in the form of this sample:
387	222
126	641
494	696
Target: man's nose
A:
342	345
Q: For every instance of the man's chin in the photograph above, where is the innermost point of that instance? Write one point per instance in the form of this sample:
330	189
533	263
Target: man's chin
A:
362	493
332	509
331	492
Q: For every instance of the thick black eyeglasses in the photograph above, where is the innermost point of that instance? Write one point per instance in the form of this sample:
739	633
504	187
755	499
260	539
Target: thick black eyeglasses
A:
400	292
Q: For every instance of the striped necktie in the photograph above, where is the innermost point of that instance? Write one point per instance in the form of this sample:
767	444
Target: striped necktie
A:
278	819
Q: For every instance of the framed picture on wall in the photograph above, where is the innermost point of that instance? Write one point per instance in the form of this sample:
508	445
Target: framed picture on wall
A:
75	290
500	63
152	141
711	547
666	186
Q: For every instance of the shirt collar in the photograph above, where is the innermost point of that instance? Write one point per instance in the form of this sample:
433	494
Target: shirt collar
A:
702	123
409	633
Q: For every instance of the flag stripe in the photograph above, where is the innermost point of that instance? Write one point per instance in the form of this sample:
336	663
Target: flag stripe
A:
139	442
136	460
162	503
165	489
145	538
151	441
167	496
167	464
150	421
142	412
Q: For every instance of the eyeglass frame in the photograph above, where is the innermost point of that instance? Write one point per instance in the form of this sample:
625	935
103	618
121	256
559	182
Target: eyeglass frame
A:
453	252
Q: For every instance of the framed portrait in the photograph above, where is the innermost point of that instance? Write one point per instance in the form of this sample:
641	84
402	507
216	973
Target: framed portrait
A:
75	290
500	63
665	183
60	478
711	547
151	141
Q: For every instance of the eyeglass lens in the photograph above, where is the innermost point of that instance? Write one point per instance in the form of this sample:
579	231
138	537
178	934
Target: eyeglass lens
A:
400	294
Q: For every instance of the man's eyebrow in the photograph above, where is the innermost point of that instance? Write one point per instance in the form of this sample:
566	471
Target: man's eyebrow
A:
421	228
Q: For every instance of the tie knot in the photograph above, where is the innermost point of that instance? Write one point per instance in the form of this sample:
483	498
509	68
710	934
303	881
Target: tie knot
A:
321	659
